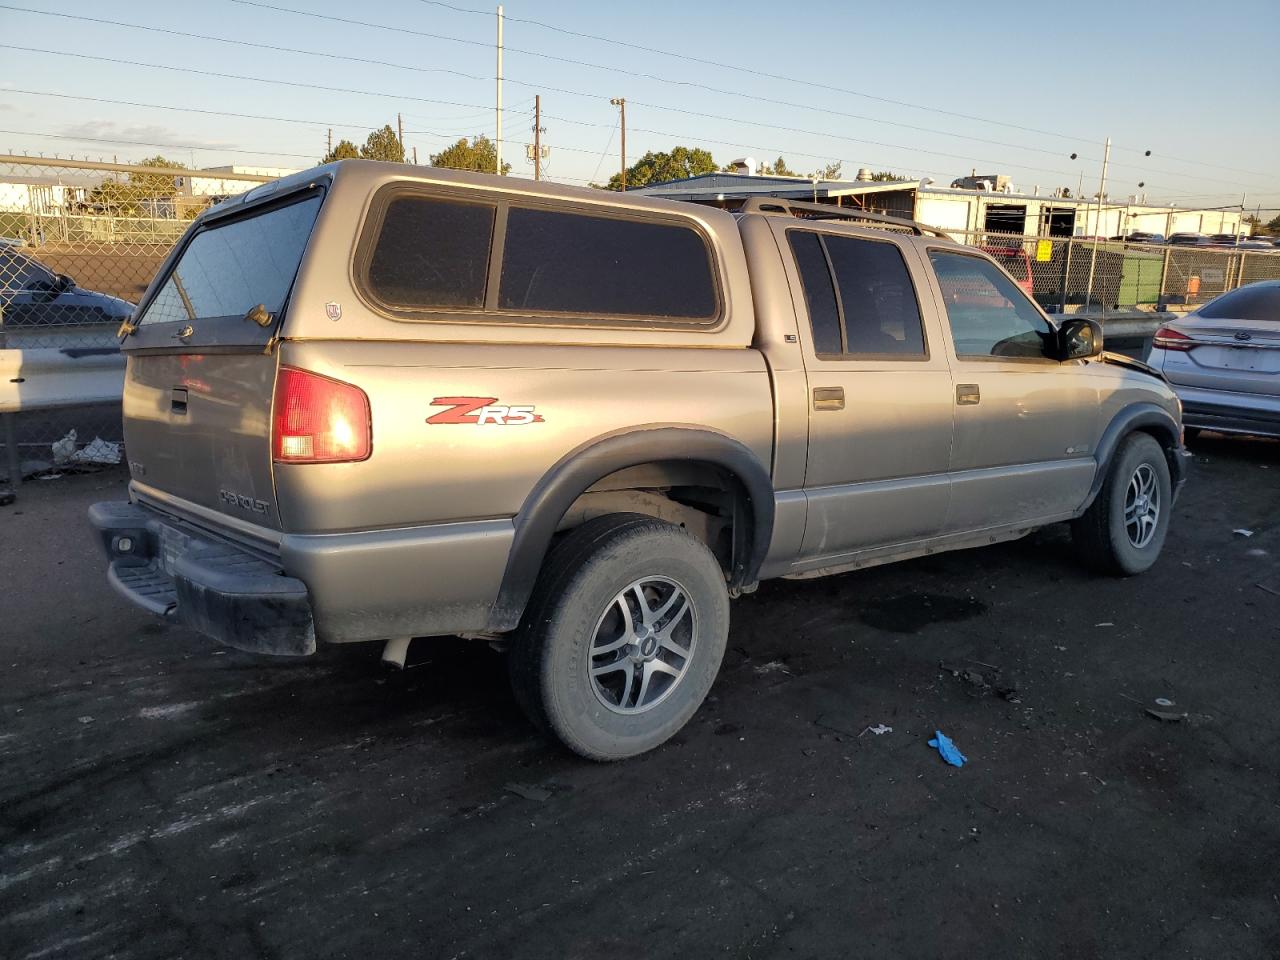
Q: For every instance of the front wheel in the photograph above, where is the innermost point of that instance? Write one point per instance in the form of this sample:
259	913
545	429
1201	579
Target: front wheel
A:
623	637
1124	528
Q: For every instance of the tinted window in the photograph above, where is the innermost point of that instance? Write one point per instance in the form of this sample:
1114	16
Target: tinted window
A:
1253	303
227	270
20	272
881	315
989	315
431	253
604	266
819	294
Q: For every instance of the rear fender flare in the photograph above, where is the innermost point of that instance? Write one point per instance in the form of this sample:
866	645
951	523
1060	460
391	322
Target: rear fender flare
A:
549	500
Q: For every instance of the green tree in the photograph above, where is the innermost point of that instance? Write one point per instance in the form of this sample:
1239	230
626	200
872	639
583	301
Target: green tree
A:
778	168
830	172
345	150
135	196
477	154
680	163
383	145
1273	227
885	176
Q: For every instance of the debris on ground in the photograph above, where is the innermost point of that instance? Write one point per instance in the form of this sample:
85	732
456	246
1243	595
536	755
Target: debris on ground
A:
1165	709
98	451
7	497
64	448
982	681
1105	623
1268	588
942	743
879	730
528	791
773	666
1242	532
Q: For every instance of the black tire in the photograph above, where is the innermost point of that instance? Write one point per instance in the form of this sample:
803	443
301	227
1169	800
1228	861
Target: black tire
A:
1104	539
576	602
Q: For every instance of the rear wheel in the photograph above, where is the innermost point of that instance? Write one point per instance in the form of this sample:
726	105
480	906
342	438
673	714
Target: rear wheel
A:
1124	528
623	637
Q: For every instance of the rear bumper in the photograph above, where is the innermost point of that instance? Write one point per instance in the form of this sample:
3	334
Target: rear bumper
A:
1256	413
221	590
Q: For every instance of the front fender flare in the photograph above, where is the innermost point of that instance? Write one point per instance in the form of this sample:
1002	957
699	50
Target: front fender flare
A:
574	473
1150	418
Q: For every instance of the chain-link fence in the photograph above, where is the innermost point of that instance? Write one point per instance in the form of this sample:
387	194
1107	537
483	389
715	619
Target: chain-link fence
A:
1065	274
79	242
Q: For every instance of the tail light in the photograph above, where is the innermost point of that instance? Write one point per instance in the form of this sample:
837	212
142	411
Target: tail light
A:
319	420
1167	338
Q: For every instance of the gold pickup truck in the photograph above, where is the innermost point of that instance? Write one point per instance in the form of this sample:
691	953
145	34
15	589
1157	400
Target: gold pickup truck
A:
374	402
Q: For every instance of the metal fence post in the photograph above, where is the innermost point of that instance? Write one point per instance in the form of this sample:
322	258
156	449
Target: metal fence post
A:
1066	276
1240	273
9	433
1164	272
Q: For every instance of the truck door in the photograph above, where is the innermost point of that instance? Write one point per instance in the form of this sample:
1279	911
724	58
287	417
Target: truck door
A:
880	389
1023	420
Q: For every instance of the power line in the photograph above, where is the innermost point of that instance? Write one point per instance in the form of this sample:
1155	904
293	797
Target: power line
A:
146	143
814	84
791	105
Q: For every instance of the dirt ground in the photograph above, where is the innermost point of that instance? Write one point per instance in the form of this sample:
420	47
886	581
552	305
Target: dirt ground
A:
162	797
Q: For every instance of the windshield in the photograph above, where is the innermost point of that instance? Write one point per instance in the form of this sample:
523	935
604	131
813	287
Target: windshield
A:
227	270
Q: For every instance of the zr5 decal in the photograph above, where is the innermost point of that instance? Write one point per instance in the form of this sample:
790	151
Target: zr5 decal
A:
482	410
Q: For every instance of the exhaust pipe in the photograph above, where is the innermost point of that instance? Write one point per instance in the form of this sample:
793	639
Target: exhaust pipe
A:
394	653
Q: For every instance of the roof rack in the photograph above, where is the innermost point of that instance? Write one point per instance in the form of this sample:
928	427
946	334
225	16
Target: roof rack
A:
826	211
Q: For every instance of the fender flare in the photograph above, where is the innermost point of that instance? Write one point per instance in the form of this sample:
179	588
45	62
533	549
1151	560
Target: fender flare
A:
1150	418
574	473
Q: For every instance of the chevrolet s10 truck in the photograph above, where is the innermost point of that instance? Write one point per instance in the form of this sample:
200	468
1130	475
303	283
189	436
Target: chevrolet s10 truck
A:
374	401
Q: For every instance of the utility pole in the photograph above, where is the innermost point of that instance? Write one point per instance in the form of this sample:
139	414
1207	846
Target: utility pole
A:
497	145
621	104
330	150
400	132
1240	222
1097	225
415	156
537	137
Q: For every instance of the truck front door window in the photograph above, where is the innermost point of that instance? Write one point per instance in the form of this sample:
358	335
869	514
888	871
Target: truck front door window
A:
989	315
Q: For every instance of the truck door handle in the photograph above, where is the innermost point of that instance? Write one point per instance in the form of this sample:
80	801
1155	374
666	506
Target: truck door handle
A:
828	398
178	400
967	394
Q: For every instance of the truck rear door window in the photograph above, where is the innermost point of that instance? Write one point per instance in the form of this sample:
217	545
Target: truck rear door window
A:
431	253
228	269
591	266
881	314
862	303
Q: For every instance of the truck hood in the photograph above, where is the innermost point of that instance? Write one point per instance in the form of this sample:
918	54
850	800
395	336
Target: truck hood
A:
1121	360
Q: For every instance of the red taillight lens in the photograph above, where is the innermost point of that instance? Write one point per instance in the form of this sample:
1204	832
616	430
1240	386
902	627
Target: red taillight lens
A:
318	420
1167	338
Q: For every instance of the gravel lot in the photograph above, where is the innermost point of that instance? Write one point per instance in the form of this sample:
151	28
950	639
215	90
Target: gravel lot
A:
162	797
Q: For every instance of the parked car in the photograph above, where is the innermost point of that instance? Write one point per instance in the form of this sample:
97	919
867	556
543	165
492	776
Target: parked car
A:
381	401
1139	236
1016	262
1256	243
1224	361
1187	240
32	295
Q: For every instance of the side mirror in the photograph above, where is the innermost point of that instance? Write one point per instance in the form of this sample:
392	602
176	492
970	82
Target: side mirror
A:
1079	340
63	283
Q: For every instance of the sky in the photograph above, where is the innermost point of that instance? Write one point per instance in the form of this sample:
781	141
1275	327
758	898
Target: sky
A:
1012	88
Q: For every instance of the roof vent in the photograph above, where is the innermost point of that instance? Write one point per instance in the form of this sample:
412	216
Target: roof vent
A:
864	175
744	165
